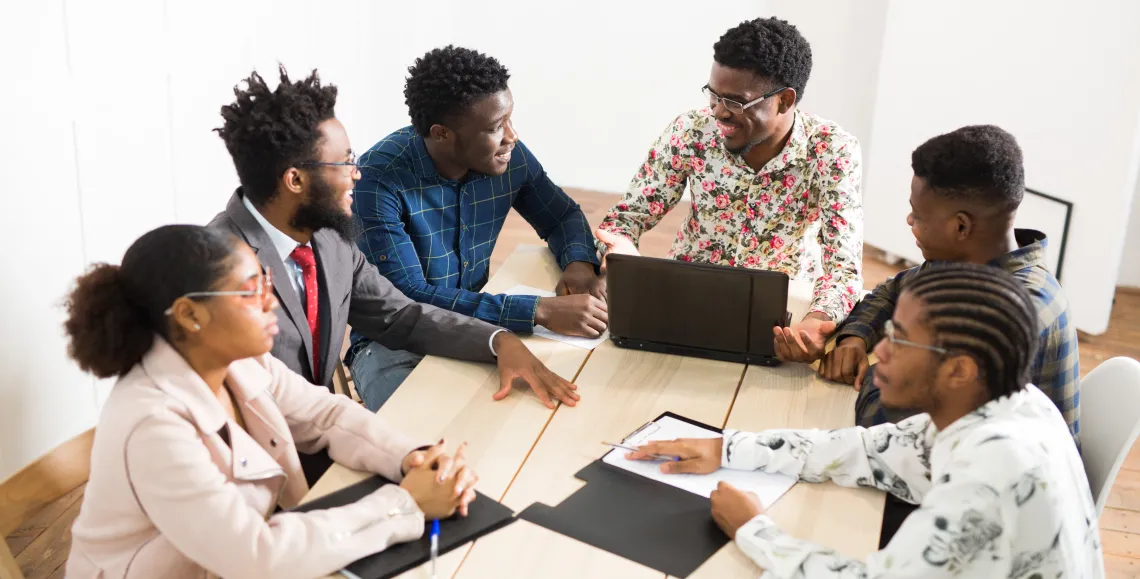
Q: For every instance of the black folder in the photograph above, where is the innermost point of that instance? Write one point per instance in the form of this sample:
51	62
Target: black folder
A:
484	516
646	521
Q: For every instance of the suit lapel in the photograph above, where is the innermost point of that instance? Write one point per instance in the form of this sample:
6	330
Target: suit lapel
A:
257	239
332	344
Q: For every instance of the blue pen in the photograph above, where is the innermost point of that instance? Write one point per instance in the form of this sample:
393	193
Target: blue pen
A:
434	545
631	449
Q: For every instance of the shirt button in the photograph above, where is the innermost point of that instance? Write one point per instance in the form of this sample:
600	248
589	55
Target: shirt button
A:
465	265
273	442
383	257
242	462
464	227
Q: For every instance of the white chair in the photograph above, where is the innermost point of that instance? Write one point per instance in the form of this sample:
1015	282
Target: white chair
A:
1110	422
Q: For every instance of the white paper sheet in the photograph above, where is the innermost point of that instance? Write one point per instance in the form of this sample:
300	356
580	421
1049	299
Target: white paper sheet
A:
769	487
587	343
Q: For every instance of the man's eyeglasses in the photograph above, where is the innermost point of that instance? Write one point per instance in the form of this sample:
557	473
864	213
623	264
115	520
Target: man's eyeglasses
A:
733	106
351	162
263	290
889	333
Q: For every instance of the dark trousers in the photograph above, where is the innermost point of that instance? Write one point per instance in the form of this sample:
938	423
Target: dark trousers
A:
869	411
315	465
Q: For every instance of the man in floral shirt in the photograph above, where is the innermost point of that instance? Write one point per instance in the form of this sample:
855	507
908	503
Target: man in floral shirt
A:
772	187
1001	489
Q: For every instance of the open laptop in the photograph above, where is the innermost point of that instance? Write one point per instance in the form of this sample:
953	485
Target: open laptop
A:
690	309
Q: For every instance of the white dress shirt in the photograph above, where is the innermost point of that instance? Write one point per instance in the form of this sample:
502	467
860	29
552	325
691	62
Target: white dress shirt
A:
284	246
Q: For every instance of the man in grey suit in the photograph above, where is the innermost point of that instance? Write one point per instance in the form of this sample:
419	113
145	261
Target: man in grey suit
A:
297	172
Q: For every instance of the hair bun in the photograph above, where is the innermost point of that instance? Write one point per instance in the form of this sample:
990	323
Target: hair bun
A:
108	331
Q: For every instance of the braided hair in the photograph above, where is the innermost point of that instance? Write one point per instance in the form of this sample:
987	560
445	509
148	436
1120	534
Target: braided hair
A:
983	312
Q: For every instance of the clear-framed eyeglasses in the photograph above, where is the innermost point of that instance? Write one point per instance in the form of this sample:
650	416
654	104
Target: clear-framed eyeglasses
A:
262	291
889	334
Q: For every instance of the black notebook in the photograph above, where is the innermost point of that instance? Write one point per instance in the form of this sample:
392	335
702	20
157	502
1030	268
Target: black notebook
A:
484	515
646	521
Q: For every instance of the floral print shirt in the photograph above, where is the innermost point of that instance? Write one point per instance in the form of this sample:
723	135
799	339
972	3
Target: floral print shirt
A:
1002	493
801	213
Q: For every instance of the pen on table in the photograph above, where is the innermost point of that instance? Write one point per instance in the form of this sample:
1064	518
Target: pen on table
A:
434	545
631	449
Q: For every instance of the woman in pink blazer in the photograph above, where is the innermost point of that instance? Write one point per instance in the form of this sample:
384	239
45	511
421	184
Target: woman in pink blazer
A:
197	444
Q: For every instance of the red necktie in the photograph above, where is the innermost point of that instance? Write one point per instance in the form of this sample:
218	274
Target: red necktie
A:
303	256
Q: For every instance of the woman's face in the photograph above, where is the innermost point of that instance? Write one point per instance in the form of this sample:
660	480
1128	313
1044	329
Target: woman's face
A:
240	326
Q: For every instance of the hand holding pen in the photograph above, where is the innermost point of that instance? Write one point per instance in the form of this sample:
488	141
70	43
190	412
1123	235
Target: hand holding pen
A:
686	455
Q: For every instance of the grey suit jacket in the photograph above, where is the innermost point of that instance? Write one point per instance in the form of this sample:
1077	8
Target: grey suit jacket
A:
352	292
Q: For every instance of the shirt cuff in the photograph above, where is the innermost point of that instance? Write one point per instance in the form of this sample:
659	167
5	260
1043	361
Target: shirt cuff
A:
491	342
579	252
739	451
859	330
518	313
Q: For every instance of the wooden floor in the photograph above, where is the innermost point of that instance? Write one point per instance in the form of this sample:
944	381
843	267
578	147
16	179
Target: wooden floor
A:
40	545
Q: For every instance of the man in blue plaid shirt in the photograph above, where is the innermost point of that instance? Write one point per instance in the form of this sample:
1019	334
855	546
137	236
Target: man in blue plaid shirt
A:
433	198
966	189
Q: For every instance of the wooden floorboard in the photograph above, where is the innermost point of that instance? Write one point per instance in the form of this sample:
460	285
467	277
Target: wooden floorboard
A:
40	544
23	536
48	552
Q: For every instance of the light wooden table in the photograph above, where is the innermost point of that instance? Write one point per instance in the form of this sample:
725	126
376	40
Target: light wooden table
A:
525	453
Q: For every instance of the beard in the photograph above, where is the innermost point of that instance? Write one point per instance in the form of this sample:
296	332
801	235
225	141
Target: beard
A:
323	211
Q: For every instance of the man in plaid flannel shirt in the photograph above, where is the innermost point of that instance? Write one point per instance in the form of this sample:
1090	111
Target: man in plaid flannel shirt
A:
432	201
965	192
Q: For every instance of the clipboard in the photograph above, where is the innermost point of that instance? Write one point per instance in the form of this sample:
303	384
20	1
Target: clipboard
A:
646	521
484	516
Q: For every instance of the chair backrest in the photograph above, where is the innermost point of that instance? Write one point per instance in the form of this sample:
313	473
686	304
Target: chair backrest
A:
1110	422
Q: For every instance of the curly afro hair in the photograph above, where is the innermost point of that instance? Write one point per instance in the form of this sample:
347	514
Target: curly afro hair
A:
447	81
769	48
979	164
267	131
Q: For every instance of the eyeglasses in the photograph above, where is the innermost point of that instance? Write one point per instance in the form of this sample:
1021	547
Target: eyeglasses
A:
733	106
351	162
889	333
263	290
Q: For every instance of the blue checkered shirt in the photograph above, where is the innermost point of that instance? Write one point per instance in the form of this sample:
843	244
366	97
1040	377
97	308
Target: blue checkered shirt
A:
1056	370
433	236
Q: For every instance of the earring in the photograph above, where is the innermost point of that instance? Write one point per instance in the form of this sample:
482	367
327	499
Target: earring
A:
197	328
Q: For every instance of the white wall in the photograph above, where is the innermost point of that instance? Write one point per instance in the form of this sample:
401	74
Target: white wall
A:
109	109
1130	261
1064	81
846	39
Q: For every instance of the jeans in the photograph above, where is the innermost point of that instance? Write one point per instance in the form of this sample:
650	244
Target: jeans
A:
377	371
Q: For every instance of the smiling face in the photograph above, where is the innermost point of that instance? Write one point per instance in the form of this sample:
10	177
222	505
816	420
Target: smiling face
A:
939	228
483	136
758	123
327	201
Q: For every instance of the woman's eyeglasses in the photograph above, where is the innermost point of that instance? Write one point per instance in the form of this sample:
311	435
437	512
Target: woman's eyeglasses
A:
263	290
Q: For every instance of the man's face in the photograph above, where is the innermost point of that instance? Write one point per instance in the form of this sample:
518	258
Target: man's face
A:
935	224
758	122
907	374
328	198
484	135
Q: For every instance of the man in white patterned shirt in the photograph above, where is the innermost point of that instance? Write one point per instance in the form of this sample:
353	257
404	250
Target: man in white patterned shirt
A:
772	187
1001	489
